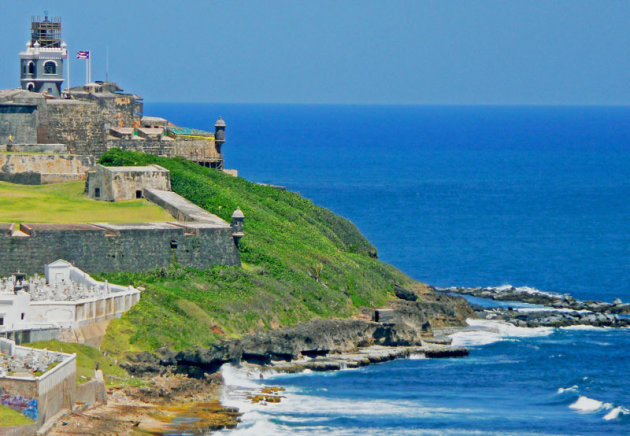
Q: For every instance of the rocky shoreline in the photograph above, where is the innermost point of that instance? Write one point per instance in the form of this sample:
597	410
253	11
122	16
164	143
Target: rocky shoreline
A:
187	383
534	296
556	310
405	324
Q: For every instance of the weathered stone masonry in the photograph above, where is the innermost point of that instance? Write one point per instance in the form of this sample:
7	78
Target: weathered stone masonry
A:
112	247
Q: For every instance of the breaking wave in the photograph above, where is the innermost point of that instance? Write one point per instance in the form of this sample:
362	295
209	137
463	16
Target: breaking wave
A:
484	332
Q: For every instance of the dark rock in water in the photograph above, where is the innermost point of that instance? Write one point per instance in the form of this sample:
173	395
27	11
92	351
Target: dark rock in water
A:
439	340
527	295
553	318
446	352
405	294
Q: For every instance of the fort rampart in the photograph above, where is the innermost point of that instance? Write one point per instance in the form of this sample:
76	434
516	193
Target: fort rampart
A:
110	247
37	169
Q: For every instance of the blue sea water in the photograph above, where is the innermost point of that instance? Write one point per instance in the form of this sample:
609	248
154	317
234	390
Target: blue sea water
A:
467	196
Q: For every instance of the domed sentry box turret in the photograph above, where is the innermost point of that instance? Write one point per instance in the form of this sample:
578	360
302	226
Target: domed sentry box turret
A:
219	134
238	222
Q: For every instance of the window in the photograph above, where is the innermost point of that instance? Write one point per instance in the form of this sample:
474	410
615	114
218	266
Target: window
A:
138	194
1	320
50	67
30	87
97	192
22	317
31	67
173	243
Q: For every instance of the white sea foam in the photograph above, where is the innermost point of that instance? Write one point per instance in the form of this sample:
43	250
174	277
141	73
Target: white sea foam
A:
616	412
586	327
589	405
549	309
484	332
573	388
522	290
298	406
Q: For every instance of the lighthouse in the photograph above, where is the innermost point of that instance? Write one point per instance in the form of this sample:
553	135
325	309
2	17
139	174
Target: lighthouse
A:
41	64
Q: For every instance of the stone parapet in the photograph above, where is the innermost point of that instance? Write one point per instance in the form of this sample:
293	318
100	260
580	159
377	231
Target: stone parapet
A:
38	169
106	247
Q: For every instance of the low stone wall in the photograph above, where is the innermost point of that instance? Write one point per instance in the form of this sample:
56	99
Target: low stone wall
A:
71	314
56	389
179	207
20	430
42	397
107	247
32	335
37	169
91	392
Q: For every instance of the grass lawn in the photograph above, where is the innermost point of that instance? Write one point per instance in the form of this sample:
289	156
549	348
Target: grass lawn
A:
10	417
66	203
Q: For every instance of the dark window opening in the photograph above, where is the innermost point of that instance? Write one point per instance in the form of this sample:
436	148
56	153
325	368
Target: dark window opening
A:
30	87
97	192
1	320
138	194
22	317
31	68
173	243
50	68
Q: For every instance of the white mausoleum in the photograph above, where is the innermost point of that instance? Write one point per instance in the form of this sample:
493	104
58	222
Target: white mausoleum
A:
66	298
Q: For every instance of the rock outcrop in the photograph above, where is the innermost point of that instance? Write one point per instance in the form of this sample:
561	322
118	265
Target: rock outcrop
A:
410	323
534	296
553	318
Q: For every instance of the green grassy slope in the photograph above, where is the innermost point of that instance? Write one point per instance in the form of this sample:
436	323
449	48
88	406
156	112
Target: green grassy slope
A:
299	261
10	417
66	203
87	359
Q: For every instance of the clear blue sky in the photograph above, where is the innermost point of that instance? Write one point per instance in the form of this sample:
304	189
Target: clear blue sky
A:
336	51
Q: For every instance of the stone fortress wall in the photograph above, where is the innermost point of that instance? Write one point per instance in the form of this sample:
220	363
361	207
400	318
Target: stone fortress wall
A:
91	119
88	121
38	169
198	239
116	247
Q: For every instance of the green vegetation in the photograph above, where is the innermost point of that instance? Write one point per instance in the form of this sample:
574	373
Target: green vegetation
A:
300	261
66	203
10	417
87	359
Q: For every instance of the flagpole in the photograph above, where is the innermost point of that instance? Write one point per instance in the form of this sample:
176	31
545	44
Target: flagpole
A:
86	73
68	72
107	64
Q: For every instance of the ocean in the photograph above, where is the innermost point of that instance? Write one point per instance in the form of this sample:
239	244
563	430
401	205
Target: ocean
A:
457	196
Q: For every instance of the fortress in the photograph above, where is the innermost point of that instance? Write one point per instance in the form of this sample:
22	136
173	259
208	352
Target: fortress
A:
78	125
49	134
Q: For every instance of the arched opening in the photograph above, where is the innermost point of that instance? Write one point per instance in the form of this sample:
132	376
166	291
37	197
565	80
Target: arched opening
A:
30	87
31	67
50	67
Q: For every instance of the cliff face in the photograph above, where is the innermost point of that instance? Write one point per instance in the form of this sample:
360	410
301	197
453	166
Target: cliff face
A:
300	262
410	324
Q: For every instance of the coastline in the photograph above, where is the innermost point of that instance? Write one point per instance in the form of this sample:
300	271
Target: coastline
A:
231	394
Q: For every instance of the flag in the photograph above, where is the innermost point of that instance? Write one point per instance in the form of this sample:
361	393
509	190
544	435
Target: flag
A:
83	54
